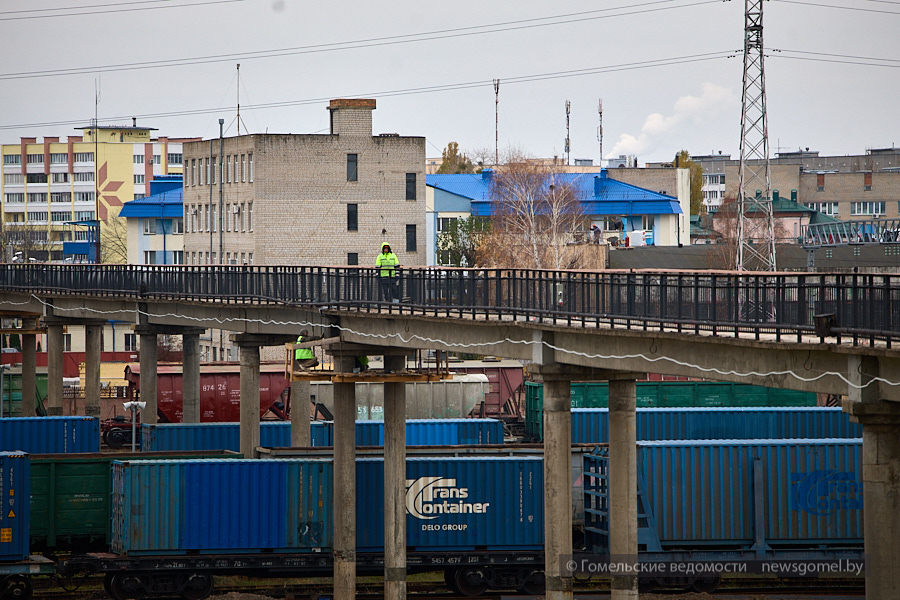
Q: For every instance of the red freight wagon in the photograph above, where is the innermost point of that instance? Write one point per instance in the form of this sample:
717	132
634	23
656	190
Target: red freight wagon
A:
507	385
220	391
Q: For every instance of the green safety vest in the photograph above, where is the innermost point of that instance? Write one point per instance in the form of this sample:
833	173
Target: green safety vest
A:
387	263
303	353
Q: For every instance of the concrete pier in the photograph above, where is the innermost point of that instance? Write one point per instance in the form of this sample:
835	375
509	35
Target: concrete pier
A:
92	338
344	483
394	484
190	377
623	545
557	487
149	372
300	424
29	368
249	356
55	348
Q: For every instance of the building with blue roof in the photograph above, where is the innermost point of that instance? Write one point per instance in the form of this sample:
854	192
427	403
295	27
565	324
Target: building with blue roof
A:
155	223
620	210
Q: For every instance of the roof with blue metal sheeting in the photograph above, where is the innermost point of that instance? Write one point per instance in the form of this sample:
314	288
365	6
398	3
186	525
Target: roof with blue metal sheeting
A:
166	205
598	194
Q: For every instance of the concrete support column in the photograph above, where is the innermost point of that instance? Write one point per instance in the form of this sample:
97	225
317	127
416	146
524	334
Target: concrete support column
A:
148	377
190	381
881	499
623	545
29	369
55	370
300	424
249	400
394	484
344	483
92	337
557	488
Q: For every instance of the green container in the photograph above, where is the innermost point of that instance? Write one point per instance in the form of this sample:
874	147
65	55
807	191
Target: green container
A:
664	394
11	393
70	496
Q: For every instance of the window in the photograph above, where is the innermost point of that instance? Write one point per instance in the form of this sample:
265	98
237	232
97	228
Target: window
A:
228	169
12	159
250	177
36	178
139	179
59	217
150	226
37	197
178	257
139	196
157	160
131	342
59	178
13	178
212	170
243	208
352	258
867	182
84	196
15	198
67	342
250	222
243	167
84	215
60	197
867	208
88	176
352	217
352	174
138	159
35	159
826	208
84	157
149	257
820	182
410	186
58	158
178	225
445	223
212	221
410	238
38	216
176	159
193	171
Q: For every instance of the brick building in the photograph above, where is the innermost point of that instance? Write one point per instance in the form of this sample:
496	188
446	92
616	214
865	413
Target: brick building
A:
322	199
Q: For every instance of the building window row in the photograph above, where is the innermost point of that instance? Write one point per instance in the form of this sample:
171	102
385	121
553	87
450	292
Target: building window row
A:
138	159
202	217
84	196
59	158
175	159
38	197
37	216
60	197
198	258
59	178
32	159
15	198
60	217
867	208
84	157
139	179
236	169
12	159
13	178
85	176
826	208
84	215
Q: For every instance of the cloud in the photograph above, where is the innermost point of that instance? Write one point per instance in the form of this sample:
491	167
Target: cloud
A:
688	112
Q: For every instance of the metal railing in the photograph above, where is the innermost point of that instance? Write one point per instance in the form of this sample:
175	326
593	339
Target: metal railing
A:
844	233
859	308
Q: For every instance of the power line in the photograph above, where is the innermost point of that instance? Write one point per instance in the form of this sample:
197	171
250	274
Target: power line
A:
665	62
851	8
87	9
521	24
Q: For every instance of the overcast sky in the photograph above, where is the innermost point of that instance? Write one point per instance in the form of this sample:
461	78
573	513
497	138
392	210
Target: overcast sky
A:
669	72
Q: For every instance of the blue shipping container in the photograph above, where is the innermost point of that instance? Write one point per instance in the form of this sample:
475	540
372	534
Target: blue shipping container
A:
457	503
435	432
15	494
182	437
50	435
177	506
591	425
701	495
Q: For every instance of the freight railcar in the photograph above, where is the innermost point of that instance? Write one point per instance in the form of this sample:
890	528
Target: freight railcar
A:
665	394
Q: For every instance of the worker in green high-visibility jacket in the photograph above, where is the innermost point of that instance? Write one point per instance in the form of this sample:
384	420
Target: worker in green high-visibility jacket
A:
304	356
388	274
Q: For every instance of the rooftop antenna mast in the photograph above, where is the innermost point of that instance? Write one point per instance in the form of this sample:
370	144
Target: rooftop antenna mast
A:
496	122
568	139
756	222
239	98
600	129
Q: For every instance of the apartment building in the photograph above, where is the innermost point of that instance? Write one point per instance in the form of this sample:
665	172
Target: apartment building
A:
48	183
323	199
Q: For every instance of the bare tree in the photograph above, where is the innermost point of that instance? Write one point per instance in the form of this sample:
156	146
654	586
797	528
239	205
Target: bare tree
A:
114	241
23	242
535	216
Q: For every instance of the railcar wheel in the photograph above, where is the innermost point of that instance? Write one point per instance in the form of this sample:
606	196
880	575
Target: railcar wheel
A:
117	437
450	580
470	582
706	584
126	587
197	587
535	584
16	587
107	587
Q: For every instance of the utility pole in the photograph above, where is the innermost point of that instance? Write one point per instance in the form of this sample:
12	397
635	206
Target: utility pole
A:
600	129
496	122
756	220
568	139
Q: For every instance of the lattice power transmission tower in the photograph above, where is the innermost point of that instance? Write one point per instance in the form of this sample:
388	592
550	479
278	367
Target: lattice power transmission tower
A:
756	220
